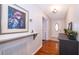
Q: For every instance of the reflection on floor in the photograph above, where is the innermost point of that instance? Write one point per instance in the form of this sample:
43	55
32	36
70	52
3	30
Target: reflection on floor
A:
49	47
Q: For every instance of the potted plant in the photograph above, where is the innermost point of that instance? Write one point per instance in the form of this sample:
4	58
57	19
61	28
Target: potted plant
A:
66	31
70	34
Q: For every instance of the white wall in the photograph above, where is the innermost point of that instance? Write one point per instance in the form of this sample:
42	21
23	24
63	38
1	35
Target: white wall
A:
73	16
59	18
36	15
61	26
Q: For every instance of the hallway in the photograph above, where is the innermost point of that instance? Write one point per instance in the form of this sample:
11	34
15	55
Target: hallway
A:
49	47
26	25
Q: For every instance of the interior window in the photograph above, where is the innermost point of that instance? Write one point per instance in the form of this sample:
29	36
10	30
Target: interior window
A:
56	27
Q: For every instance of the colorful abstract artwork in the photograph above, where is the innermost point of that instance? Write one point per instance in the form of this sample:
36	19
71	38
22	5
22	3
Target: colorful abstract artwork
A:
16	19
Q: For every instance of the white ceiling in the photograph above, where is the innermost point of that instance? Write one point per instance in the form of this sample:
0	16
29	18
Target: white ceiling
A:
61	10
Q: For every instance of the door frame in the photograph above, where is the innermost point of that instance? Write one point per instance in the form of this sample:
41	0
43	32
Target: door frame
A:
44	34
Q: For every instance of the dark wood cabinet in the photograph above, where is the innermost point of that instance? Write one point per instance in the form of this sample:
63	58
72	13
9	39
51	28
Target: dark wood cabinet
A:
67	46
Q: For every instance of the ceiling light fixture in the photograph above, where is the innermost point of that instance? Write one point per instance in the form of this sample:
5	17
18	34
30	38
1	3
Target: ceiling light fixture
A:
55	8
54	11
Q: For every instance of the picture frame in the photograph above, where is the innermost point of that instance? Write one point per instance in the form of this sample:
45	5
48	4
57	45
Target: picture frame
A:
14	19
70	26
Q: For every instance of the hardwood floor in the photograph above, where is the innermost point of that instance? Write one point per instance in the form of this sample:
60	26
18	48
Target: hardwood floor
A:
49	47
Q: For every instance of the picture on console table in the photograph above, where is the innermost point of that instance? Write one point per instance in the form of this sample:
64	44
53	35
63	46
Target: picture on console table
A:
70	26
14	19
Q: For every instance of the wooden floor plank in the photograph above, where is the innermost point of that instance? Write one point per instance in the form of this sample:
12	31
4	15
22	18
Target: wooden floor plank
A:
49	47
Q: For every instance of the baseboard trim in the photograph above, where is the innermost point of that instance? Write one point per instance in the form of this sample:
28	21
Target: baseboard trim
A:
37	49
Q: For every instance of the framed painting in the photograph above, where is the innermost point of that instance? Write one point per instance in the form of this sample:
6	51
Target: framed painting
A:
70	26
13	19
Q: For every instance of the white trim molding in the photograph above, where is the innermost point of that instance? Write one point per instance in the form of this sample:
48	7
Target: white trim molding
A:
37	49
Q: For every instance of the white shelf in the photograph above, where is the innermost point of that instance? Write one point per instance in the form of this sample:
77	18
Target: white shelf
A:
7	37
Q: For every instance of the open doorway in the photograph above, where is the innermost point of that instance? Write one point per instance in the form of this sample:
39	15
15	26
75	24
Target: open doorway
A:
44	28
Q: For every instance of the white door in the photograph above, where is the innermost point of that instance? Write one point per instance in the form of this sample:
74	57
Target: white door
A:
45	28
